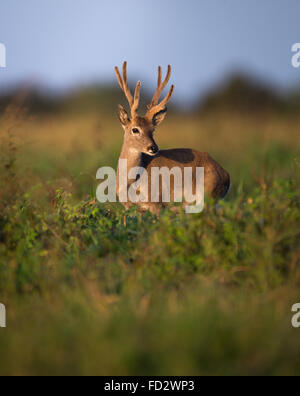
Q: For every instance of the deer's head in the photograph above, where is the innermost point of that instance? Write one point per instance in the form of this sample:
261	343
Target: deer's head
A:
139	131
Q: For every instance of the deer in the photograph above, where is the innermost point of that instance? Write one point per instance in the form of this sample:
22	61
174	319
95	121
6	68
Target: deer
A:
140	149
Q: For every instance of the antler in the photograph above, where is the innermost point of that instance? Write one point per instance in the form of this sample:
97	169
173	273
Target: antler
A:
155	107
133	101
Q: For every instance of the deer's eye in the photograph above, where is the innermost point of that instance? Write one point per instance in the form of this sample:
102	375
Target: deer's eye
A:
135	131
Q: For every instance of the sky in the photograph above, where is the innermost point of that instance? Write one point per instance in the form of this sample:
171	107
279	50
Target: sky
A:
62	43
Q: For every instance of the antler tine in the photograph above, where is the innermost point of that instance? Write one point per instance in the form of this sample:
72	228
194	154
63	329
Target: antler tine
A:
155	107
160	86
119	77
162	105
159	77
133	102
135	105
125	85
167	98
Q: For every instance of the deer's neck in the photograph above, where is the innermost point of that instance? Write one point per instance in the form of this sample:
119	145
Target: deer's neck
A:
133	159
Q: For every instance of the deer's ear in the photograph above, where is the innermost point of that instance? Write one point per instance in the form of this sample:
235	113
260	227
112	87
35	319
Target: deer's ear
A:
159	117
123	116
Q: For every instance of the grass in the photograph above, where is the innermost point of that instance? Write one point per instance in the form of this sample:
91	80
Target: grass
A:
179	295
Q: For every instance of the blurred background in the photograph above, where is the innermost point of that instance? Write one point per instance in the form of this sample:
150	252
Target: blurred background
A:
56	47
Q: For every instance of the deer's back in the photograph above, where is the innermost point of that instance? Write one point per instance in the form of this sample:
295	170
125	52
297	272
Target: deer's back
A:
216	179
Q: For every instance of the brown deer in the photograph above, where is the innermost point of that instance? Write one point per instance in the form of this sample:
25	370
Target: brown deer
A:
140	149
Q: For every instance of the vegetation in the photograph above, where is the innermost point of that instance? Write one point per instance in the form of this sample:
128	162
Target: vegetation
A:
87	293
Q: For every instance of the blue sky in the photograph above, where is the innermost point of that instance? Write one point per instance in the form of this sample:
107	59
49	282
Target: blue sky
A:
62	43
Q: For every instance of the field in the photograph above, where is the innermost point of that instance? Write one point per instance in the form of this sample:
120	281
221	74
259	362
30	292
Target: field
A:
180	295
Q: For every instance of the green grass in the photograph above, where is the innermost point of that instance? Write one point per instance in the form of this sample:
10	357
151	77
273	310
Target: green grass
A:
206	294
180	295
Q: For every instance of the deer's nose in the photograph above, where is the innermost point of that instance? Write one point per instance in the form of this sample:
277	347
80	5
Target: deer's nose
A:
153	149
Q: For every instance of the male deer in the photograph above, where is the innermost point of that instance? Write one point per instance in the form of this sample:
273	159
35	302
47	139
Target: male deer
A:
140	149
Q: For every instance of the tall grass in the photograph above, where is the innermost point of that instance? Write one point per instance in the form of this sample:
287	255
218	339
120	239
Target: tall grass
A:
203	294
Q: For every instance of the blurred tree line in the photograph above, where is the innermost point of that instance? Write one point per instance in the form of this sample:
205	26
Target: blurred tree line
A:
243	94
240	93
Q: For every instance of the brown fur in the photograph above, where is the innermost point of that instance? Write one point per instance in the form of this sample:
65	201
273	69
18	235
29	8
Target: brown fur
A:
137	146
